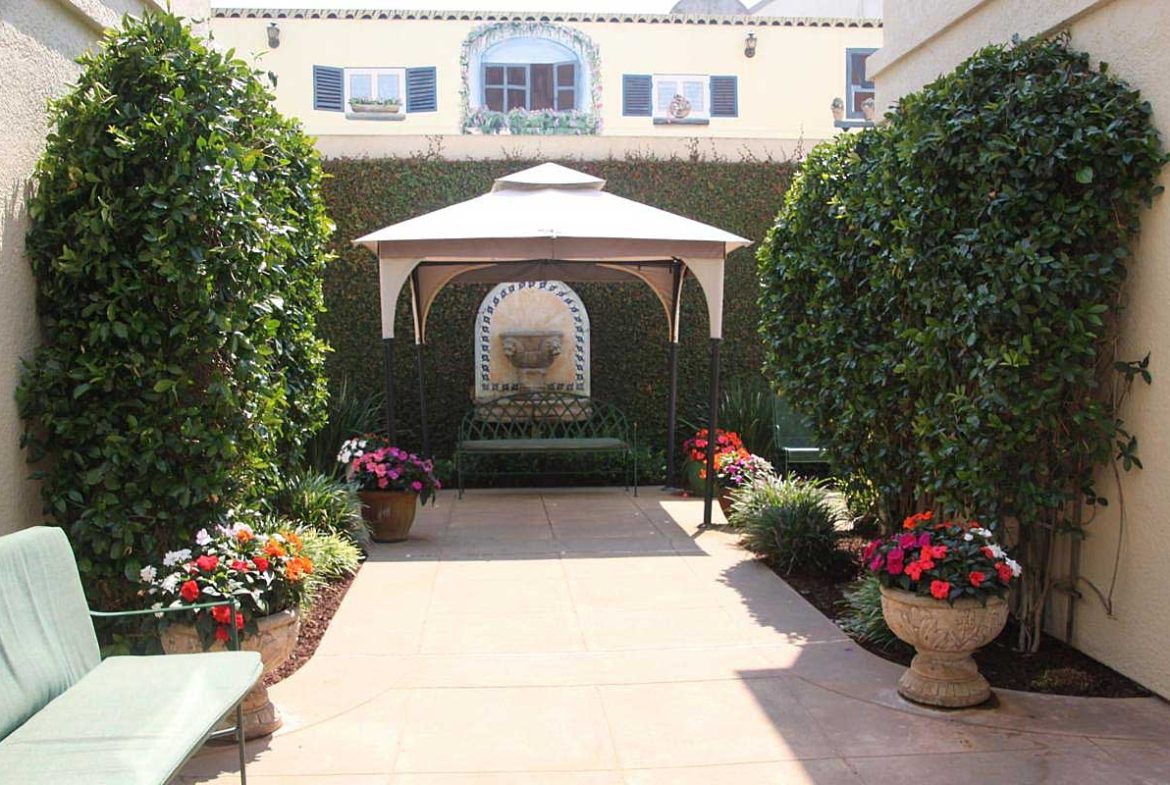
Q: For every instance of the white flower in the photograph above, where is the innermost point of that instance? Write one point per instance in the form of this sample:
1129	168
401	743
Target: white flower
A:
984	533
170	583
1014	566
148	574
156	606
175	557
996	551
968	537
202	537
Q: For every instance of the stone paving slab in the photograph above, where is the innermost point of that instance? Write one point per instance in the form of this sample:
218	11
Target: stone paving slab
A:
587	637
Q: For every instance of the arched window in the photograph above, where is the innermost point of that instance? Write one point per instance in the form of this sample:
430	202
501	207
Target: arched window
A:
529	73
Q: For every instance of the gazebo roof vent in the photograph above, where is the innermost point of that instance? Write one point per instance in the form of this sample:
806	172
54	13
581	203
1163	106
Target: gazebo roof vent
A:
548	175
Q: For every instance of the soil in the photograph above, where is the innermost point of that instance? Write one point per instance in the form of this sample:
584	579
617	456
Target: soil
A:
313	627
1057	669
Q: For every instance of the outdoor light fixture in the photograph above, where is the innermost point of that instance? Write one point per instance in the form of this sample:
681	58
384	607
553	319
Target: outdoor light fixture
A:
274	35
749	45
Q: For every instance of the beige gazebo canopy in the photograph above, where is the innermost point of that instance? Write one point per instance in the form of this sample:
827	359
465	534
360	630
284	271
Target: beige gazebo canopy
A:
550	223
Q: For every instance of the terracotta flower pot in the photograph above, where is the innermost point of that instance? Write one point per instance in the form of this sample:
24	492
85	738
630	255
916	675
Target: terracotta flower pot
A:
944	637
389	513
276	639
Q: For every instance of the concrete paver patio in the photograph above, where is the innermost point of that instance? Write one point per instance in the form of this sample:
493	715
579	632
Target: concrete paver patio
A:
587	637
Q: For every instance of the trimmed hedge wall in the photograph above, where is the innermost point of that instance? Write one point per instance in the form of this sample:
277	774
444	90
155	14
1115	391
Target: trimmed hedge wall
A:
629	333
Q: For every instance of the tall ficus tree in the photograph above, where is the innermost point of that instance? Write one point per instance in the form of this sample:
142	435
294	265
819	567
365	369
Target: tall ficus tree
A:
939	295
178	241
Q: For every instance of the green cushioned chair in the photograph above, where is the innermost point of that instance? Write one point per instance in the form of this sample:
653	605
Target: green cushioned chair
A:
66	716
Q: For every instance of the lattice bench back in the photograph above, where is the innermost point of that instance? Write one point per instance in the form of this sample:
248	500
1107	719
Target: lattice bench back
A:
544	415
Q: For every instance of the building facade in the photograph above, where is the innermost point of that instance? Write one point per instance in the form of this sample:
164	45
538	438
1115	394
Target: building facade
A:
926	38
382	82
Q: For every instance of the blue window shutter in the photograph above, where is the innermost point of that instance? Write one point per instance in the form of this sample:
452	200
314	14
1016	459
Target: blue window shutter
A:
328	91
421	90
724	96
636	95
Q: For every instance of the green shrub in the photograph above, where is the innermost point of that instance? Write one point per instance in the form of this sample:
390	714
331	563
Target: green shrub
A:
938	293
177	237
350	413
334	556
790	523
321	503
863	617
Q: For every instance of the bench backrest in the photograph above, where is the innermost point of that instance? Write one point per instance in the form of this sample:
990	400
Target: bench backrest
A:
788	428
47	642
543	416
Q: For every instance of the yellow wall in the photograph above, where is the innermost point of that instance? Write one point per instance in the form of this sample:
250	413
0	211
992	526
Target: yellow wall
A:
784	91
925	38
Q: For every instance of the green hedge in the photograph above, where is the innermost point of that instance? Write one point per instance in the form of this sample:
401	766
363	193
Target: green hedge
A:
629	336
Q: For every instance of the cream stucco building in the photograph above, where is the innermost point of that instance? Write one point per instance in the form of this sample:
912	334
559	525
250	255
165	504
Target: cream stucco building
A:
476	85
926	38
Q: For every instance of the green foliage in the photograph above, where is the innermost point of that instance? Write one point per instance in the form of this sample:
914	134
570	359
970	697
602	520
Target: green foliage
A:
543	122
177	238
863	618
938	292
789	522
747	407
323	503
629	340
349	414
334	556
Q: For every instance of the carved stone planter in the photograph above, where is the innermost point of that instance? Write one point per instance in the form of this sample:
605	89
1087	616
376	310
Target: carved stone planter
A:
276	639
389	513
944	637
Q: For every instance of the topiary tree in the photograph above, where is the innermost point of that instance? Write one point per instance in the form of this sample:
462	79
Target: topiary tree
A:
178	239
939	294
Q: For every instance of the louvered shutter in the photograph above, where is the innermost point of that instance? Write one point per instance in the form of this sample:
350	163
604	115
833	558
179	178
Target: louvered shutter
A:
328	88
421	90
636	95
724	96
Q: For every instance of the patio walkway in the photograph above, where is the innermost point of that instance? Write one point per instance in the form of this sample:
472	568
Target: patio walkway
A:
589	638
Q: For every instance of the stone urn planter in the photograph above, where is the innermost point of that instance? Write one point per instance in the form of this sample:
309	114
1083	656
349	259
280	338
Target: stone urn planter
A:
944	637
276	639
389	513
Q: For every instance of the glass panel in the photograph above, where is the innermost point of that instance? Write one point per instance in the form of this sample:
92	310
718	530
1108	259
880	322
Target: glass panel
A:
516	99
566	99
387	86
859	97
493	75
517	76
542	87
566	75
693	92
361	86
857	69
493	98
666	92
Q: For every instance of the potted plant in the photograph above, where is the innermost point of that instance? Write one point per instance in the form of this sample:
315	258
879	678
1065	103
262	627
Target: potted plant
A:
376	105
734	470
943	592
261	565
726	443
390	482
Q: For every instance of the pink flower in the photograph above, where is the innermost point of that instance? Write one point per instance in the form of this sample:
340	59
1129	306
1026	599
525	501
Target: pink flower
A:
416	485
876	564
907	540
392	474
870	550
383	482
895	561
924	540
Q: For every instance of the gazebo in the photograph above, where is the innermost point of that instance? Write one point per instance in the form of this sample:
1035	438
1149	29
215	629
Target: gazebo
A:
553	223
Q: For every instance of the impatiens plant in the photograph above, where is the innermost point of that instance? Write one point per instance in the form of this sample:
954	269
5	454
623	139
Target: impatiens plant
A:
737	469
946	560
373	465
263	566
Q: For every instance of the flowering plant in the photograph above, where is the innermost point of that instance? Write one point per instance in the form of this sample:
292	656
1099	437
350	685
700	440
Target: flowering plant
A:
945	560
740	468
725	441
374	465
262	566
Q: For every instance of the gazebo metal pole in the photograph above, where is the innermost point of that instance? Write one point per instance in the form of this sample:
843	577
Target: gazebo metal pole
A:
672	394
419	340
388	385
712	426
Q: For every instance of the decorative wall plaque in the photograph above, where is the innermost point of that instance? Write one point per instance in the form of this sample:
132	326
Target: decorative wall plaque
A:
529	337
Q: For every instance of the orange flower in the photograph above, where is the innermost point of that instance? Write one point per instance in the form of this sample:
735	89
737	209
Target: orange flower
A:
243	535
293	540
274	549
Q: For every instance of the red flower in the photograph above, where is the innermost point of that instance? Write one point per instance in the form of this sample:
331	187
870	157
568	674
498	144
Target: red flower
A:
976	578
221	613
1004	572
239	621
221	633
986	551
907	540
207	563
239	565
870	550
894	561
914	570
937	551
261	563
940	589
189	591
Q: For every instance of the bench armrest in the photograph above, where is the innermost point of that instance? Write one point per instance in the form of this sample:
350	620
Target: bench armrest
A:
233	602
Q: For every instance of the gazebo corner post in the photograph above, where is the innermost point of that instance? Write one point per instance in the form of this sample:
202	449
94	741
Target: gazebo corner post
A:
672	416
712	432
388	385
422	399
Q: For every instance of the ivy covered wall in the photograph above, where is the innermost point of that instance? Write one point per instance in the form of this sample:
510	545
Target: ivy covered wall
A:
629	335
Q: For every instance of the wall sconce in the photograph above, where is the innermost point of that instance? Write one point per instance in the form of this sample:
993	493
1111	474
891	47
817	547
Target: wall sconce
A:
749	45
273	35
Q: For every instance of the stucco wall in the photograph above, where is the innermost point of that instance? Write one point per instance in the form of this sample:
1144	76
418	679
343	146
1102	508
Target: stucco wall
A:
928	37
784	91
39	40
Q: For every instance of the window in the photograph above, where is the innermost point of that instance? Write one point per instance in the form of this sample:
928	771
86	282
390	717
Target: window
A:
681	97
857	88
530	86
373	84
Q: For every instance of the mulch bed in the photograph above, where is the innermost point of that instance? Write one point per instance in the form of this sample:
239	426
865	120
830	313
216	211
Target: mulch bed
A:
313	627
1057	669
